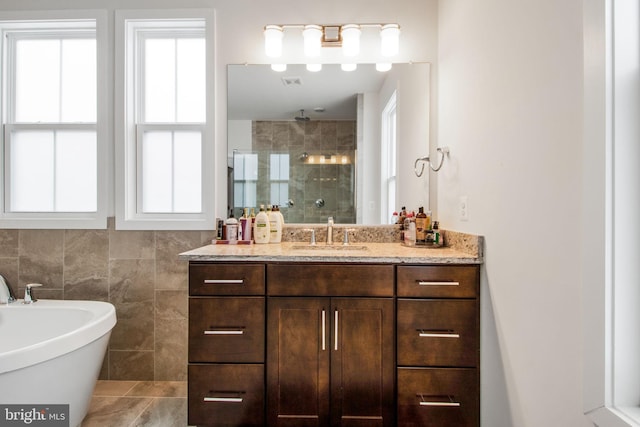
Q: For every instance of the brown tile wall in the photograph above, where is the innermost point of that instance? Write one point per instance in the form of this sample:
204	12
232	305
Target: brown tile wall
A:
137	271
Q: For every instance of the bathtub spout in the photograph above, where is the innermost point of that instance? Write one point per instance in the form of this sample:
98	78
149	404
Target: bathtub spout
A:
6	294
28	293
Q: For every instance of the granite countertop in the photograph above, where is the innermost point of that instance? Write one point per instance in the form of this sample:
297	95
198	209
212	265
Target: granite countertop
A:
461	249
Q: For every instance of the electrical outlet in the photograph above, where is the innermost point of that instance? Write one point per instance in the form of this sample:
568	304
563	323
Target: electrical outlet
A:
464	208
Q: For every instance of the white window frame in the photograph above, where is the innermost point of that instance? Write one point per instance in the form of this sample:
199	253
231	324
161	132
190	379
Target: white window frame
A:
611	378
389	158
127	177
94	21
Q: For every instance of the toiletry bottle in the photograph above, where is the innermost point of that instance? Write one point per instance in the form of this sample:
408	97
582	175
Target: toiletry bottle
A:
232	228
261	232
281	217
410	230
421	225
276	226
245	225
428	225
436	233
394	218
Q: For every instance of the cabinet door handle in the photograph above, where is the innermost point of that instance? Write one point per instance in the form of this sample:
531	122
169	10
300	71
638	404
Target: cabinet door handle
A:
224	281
437	400
427	283
437	334
324	330
335	331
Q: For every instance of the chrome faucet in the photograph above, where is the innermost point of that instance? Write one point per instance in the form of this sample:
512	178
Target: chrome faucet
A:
330	231
29	297
6	294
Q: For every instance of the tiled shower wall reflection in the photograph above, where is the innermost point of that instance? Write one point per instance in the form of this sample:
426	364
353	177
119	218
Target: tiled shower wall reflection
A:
333	183
137	271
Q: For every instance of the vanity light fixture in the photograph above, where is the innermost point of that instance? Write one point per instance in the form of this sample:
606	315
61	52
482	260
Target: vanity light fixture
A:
389	39
351	39
273	35
312	35
279	67
346	36
314	68
348	67
383	67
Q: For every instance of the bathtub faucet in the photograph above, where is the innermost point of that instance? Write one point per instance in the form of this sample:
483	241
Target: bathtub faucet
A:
28	293
6	294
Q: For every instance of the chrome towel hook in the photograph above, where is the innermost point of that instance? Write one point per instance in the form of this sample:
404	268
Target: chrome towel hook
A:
444	151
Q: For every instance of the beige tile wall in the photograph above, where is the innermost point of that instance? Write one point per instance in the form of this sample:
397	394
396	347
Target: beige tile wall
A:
137	271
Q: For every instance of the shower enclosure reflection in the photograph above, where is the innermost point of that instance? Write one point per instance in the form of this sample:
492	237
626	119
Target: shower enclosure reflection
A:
294	164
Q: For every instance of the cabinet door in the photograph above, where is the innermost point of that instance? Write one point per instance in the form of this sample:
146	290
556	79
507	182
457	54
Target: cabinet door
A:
298	346
362	362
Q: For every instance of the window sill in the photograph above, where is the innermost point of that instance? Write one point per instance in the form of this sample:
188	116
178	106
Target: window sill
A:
616	417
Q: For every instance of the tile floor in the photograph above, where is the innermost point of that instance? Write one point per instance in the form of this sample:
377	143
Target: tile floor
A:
138	403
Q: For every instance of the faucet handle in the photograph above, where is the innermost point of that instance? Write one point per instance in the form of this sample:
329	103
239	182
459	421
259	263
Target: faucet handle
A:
28	293
345	236
313	236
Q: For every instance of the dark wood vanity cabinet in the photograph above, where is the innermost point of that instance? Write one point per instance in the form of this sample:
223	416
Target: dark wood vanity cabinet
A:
226	344
315	344
438	328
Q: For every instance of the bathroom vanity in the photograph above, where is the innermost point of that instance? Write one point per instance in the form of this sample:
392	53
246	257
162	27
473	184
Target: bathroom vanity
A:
382	335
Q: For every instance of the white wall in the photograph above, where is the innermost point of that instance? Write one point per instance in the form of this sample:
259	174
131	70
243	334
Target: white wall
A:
239	36
510	109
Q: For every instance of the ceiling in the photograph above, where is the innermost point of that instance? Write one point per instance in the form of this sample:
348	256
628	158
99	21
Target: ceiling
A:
255	92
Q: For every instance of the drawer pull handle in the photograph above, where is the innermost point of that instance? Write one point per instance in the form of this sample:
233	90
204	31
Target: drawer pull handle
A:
223	281
427	283
225	396
437	334
443	400
223	399
223	332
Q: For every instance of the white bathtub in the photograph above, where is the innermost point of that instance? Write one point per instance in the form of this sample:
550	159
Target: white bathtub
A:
51	352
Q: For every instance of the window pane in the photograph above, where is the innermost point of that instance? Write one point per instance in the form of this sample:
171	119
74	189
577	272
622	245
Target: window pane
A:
160	81
171	172
37	77
187	172
191	80
79	90
279	167
76	171
279	193
31	171
156	172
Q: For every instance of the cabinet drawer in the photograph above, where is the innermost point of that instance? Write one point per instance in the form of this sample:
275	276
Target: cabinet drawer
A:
438	281
225	329
226	279
330	280
432	397
438	332
226	395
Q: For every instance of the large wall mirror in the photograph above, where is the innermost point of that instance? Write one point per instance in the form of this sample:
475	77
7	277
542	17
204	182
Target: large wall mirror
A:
314	142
